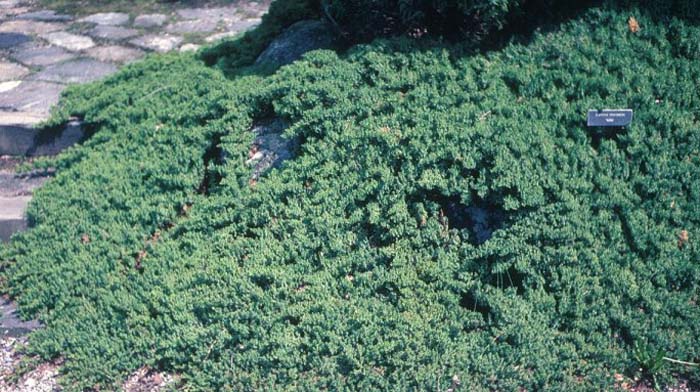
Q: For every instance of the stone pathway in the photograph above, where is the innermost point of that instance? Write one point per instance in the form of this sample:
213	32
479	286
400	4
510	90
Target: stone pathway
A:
42	51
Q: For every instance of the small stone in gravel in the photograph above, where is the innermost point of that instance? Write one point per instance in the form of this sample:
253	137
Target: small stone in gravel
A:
112	32
11	71
76	71
159	43
35	55
107	18
150	20
29	27
115	53
189	47
45	16
69	41
31	96
192	26
9	40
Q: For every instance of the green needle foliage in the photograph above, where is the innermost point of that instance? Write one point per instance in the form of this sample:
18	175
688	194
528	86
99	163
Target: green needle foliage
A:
347	268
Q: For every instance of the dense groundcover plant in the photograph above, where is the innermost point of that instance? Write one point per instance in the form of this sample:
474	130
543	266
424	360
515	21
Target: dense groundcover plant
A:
343	269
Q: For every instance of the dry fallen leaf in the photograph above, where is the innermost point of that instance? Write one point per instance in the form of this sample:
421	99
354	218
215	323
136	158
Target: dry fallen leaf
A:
683	238
633	24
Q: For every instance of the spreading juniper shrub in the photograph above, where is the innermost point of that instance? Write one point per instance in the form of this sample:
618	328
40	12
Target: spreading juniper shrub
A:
349	267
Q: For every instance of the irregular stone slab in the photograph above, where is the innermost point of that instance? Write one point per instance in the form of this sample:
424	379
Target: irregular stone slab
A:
69	41
39	56
9	40
296	40
12	216
115	53
29	96
107	18
159	43
150	20
216	14
75	71
11	71
45	16
7	86
112	33
192	26
29	27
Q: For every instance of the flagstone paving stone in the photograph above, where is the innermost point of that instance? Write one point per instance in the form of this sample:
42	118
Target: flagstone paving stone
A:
10	40
37	55
150	20
11	71
75	71
69	41
29	27
115	53
31	96
113	33
45	16
157	42
107	18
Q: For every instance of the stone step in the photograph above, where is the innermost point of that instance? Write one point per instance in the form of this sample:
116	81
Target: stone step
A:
20	135
15	193
12	215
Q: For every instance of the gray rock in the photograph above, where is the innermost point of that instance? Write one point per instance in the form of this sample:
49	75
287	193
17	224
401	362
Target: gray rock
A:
36	55
29	27
107	18
69	41
10	323
299	38
192	26
216	14
75	71
11	71
113	33
150	20
45	16
269	149
159	43
29	96
115	54
9	40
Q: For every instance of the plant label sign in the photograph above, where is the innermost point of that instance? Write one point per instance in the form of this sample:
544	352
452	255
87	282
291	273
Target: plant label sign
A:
609	117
